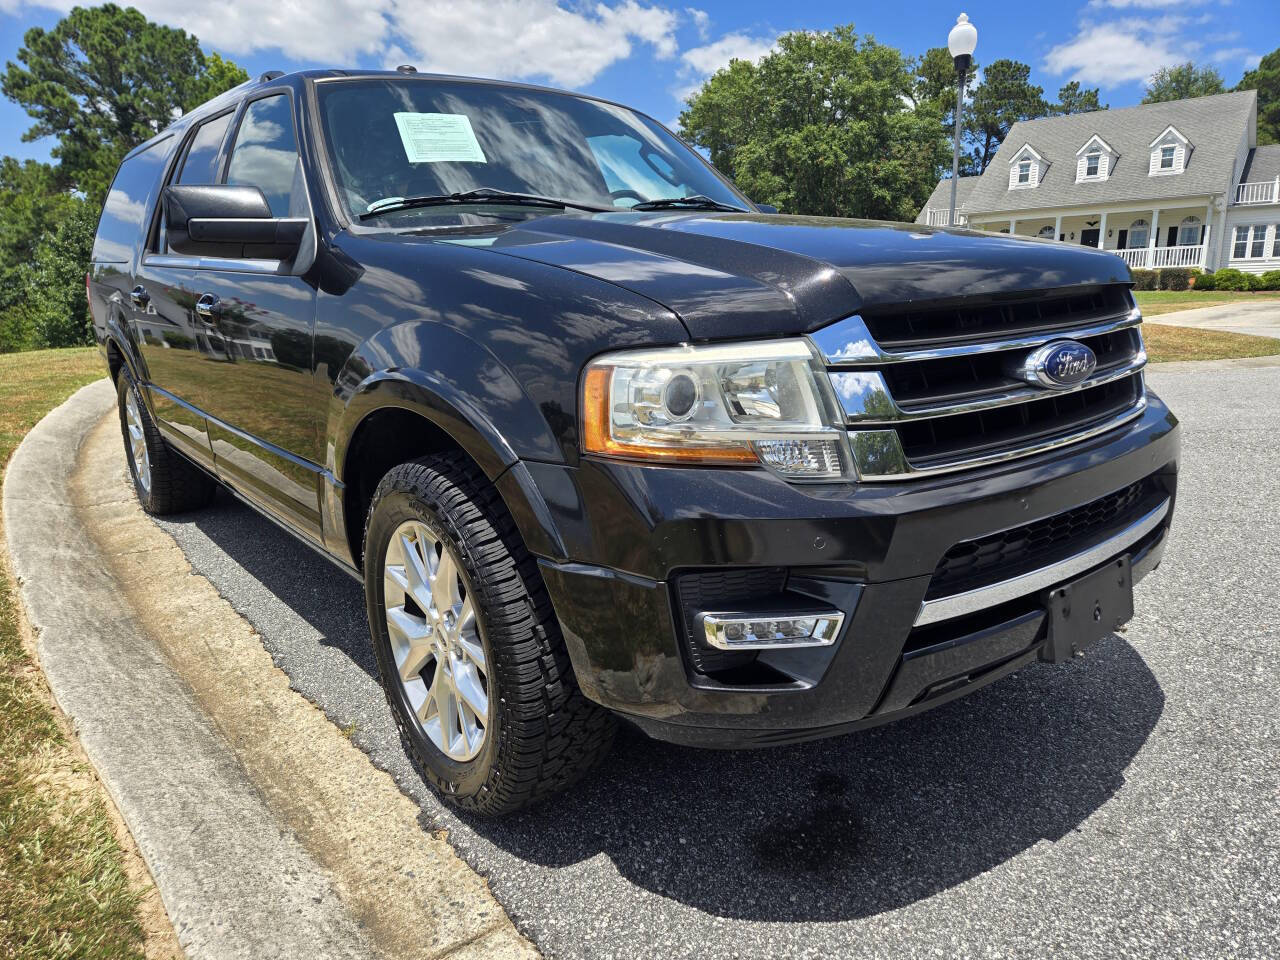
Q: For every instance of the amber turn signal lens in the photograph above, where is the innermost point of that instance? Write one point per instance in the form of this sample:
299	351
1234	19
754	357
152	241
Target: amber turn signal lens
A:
598	438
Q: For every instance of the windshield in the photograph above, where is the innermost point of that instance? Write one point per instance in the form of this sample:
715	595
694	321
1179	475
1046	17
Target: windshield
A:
405	138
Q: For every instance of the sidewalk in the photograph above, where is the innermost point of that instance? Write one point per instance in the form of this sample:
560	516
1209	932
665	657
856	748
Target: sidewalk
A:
267	832
1261	318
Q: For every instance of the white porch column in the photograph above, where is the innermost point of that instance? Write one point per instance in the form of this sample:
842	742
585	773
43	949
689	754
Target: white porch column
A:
1155	233
1057	227
1102	231
1204	246
1013	223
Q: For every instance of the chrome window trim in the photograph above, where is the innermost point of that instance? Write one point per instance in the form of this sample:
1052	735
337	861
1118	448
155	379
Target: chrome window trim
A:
982	598
232	264
878	455
866	399
848	342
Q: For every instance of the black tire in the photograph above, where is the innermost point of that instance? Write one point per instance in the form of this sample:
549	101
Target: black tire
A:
542	734
176	485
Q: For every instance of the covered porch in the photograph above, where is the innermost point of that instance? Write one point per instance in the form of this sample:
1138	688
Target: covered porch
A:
1148	238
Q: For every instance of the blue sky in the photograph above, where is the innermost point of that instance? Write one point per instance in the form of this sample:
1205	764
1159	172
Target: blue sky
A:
650	53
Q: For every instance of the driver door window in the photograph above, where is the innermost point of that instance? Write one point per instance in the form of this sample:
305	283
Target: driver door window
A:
266	156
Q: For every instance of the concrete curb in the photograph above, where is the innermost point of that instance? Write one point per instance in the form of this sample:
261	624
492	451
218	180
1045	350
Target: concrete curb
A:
235	884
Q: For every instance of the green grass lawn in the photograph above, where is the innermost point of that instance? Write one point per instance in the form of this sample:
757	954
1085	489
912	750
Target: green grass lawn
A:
64	890
1156	302
1166	342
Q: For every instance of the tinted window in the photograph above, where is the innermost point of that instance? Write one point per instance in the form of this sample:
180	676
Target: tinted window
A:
124	215
202	156
408	138
266	156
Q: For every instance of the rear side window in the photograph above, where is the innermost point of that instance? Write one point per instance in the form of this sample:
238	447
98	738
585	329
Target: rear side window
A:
266	156
201	165
124	216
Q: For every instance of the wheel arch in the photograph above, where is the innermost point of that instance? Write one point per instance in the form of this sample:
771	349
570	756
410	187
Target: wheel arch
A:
401	415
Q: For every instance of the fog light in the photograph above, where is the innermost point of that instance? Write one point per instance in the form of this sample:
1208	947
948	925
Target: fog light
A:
736	631
814	459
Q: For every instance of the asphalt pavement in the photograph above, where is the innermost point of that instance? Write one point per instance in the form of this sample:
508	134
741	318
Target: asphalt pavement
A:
1126	804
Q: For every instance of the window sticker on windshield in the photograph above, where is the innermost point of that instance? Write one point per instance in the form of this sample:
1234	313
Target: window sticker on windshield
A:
438	138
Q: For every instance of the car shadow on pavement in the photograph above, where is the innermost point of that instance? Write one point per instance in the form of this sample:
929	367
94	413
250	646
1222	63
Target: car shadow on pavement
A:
829	830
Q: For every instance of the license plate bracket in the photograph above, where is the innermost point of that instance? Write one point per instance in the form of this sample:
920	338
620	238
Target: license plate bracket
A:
1087	609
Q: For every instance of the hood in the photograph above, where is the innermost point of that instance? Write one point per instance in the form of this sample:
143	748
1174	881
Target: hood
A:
747	275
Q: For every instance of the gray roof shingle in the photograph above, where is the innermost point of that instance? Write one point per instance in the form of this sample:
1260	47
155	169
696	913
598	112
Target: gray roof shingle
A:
940	199
1263	164
1214	126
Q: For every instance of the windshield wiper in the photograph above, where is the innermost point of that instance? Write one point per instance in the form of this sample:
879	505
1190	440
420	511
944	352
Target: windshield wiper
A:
695	202
480	195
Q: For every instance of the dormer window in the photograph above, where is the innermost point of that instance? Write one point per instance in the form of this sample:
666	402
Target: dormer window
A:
1026	168
1095	160
1169	153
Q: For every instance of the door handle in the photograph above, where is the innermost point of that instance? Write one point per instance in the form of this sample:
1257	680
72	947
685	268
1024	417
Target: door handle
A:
139	296
209	307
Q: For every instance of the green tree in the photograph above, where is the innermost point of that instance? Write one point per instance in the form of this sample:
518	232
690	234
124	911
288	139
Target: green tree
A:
33	201
52	303
1005	96
103	80
1182	82
1265	78
823	125
1072	99
935	90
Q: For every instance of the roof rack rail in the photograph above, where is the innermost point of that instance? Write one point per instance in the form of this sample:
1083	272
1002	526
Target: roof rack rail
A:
271	75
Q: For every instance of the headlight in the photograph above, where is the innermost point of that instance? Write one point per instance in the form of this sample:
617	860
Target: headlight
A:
765	403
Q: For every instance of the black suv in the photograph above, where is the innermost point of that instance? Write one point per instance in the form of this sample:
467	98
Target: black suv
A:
604	438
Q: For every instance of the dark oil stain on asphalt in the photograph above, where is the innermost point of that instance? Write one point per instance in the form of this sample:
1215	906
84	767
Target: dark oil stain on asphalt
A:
820	836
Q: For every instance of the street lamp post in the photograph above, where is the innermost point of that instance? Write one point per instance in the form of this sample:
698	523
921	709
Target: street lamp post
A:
961	42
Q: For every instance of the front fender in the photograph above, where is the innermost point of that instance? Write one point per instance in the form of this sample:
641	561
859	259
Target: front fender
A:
449	379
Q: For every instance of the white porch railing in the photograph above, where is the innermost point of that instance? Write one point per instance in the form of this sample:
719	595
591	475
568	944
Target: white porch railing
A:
1260	191
942	218
1155	258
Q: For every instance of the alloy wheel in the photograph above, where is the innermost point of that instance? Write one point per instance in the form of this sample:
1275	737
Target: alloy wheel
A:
435	640
138	441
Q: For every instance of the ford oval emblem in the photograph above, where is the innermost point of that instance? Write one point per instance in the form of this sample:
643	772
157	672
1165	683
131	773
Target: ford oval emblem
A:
1059	365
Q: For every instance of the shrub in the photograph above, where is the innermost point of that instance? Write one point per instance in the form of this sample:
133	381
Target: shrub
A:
1270	280
1205	282
1144	279
1229	278
1174	278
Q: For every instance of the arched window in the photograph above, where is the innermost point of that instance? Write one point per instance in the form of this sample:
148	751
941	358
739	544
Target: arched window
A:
1139	234
1189	231
1047	232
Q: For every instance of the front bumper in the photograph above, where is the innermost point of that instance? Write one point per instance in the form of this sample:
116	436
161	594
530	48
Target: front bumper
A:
631	532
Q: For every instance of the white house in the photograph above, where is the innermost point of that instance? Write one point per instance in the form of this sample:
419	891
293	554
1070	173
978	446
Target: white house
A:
1181	184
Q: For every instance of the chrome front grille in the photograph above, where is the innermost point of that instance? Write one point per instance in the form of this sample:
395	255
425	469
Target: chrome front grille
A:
933	390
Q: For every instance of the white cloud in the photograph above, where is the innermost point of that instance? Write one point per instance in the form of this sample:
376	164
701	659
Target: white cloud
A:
523	39
1122	50
701	21
709	58
566	42
1146	4
330	31
698	63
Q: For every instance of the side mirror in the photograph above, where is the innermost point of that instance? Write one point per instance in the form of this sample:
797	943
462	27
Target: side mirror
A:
766	208
218	220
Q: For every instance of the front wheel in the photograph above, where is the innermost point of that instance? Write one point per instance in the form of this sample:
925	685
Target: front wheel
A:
472	660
